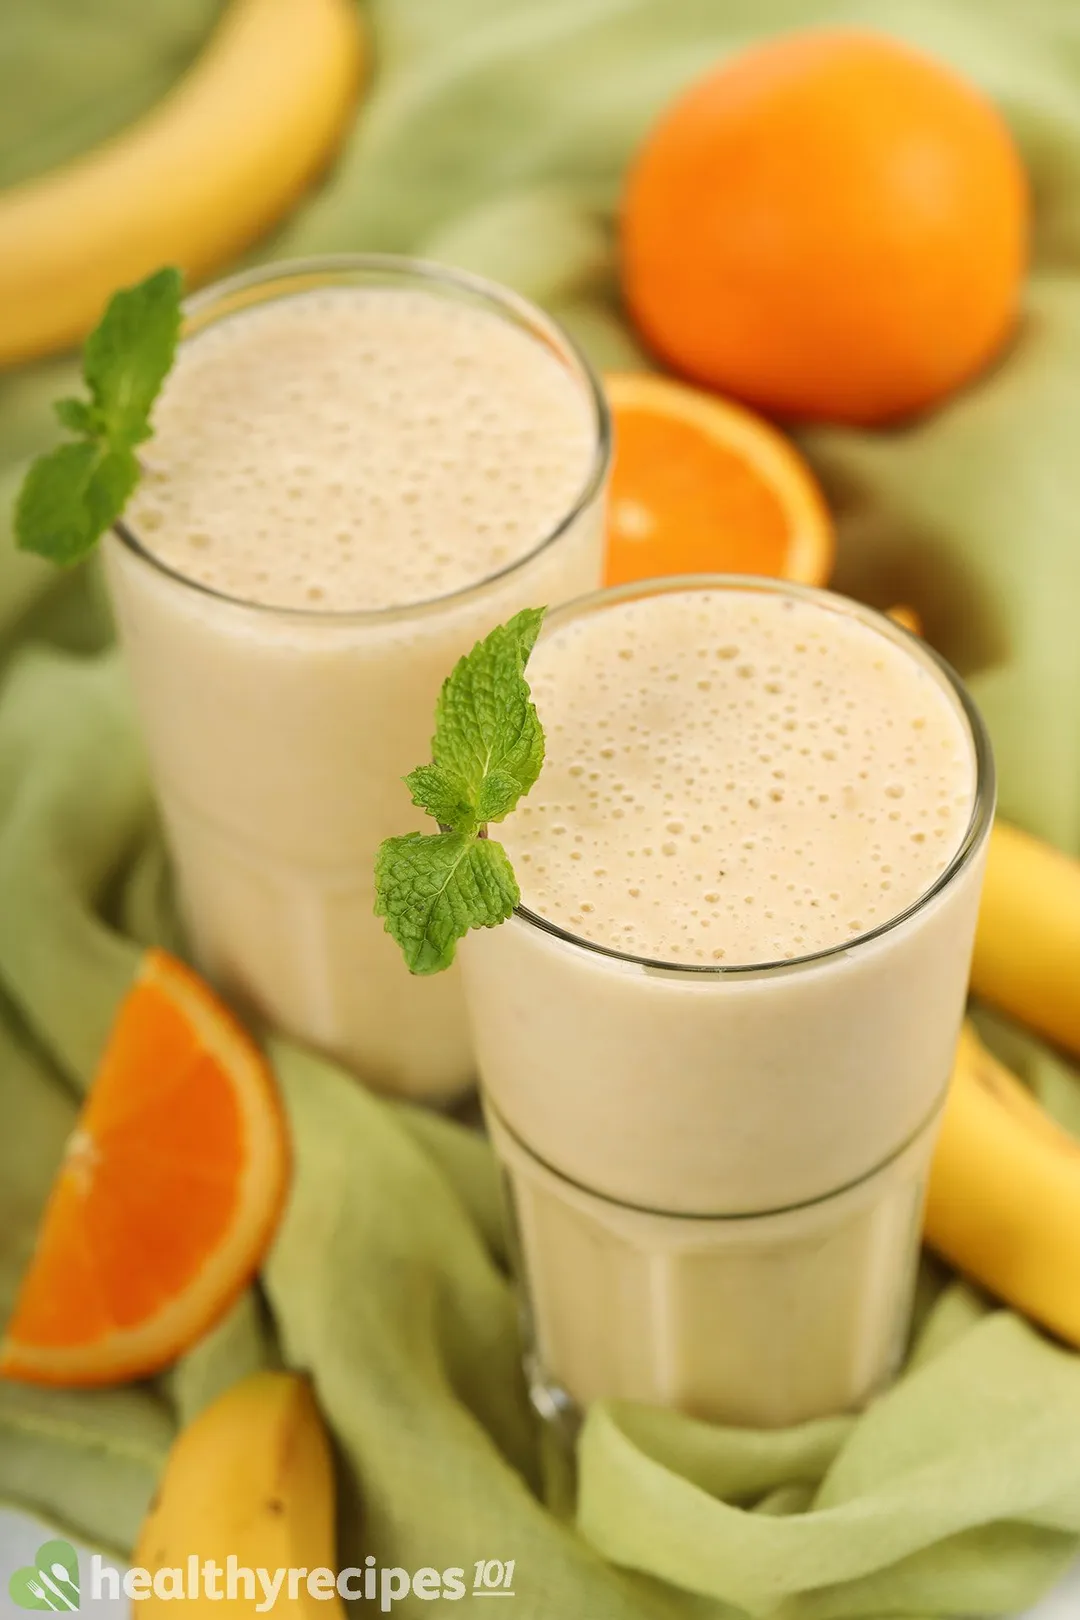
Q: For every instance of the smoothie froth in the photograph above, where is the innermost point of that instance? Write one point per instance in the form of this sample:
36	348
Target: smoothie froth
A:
349	449
735	778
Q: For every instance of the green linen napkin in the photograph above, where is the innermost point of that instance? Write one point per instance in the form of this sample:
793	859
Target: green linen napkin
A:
495	137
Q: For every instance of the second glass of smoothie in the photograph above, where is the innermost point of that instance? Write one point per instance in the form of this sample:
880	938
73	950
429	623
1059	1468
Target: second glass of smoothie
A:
360	466
715	1038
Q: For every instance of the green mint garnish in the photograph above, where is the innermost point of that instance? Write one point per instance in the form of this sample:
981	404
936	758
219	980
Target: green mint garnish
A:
487	751
72	494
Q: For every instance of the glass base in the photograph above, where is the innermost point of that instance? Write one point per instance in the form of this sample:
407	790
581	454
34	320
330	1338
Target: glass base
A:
756	1321
551	1403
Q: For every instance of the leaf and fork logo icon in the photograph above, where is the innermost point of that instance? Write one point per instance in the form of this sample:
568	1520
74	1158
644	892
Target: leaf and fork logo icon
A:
51	1581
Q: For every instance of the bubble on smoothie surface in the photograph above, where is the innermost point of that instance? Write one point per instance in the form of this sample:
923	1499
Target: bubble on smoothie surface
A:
360	448
734	777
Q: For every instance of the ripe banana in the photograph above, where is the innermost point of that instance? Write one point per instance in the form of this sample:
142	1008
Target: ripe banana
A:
1027	946
907	617
1004	1197
216	163
251	1478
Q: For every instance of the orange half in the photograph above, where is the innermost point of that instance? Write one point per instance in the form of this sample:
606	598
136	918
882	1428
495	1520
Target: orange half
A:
702	486
171	1186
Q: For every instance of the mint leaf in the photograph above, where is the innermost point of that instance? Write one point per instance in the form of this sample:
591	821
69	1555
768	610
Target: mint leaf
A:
77	415
110	488
128	355
53	500
486	728
431	888
501	789
443	794
70	496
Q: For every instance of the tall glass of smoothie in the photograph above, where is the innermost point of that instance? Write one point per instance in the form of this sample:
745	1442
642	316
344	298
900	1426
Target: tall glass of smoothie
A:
715	1038
360	465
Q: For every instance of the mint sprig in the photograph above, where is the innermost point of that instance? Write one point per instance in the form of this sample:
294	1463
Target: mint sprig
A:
72	494
488	750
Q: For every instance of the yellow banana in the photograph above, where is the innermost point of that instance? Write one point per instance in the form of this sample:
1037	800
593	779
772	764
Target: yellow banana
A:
907	617
216	163
1027	946
249	1480
1004	1197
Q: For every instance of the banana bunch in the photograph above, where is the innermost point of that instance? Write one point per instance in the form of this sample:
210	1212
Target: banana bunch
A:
216	163
1004	1197
249	1487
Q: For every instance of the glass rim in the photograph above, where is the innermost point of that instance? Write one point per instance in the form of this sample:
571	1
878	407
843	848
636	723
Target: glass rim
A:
221	298
726	1217
982	809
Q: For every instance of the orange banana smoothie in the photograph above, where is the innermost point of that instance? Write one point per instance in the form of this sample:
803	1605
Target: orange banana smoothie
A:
715	1038
358	468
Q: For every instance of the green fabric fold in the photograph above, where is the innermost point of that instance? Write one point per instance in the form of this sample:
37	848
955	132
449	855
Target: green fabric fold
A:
926	1501
496	137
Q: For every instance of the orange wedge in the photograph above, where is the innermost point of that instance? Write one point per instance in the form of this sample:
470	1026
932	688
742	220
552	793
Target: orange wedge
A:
170	1188
702	486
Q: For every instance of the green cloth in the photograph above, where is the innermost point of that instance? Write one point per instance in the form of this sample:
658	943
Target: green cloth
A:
495	137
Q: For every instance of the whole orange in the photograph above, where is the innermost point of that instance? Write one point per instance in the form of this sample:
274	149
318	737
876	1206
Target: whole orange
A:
831	226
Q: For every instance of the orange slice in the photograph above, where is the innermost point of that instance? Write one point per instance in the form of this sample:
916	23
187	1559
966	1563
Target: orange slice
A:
702	486
170	1188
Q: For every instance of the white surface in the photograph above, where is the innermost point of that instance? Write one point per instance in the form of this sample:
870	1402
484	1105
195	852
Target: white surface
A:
20	1539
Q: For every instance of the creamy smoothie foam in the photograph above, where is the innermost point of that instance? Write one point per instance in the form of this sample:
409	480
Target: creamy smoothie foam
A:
355	449
735	777
361	478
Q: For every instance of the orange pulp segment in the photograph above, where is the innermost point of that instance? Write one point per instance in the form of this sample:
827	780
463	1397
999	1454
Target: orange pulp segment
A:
167	1197
702	486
